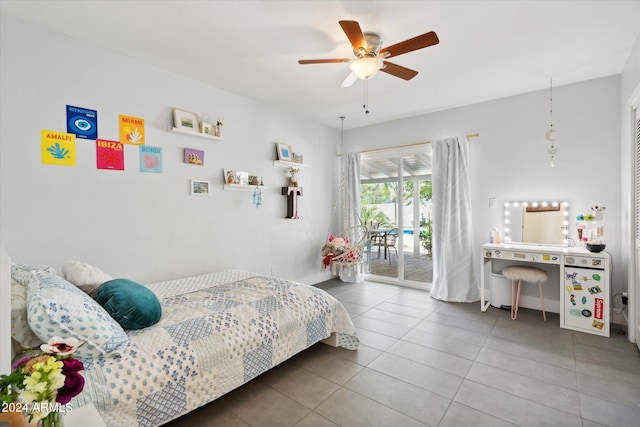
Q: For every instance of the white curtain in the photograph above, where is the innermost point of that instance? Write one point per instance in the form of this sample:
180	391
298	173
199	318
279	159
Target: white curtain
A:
454	277
350	204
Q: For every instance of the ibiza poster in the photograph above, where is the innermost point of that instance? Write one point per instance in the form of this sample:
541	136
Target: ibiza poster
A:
131	130
82	122
58	148
109	155
150	159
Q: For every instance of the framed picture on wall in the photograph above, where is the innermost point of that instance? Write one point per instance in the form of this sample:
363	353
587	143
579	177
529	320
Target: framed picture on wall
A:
193	156
205	128
186	120
200	188
284	152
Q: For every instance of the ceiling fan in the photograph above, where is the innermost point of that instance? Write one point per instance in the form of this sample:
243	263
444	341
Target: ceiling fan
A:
371	57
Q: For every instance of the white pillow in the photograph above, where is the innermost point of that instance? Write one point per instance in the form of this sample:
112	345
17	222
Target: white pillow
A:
85	276
58	308
20	330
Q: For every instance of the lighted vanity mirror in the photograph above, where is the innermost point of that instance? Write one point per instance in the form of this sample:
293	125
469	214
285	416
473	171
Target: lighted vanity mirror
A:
536	223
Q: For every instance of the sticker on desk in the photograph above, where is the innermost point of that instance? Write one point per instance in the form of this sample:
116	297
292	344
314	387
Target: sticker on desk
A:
575	312
596	277
586	313
572	297
594	290
584	301
568	288
599	308
577	286
572	277
546	257
598	325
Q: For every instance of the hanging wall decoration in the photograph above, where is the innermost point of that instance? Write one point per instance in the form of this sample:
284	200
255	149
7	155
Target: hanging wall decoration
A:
131	130
193	156
292	194
551	132
257	197
58	148
109	155
150	159
82	122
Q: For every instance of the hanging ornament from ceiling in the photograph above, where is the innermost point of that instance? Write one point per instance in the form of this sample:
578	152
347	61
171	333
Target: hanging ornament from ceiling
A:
549	135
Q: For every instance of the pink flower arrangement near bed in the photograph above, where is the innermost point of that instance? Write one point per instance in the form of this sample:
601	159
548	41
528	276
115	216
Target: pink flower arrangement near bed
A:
185	342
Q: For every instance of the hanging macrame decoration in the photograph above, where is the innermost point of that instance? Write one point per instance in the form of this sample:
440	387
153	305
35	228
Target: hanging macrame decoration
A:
257	197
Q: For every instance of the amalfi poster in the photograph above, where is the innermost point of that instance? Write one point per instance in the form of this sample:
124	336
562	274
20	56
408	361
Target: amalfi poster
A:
58	148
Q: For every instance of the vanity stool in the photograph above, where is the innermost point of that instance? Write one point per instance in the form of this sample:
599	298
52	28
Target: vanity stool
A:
527	274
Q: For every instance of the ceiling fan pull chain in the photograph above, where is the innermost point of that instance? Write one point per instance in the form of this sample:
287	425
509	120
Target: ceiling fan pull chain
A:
366	97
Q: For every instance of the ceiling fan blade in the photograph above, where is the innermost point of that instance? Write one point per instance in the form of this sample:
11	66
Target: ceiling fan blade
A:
323	61
348	82
398	71
419	42
354	34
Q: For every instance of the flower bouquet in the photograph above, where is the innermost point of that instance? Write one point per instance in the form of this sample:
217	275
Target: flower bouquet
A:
42	385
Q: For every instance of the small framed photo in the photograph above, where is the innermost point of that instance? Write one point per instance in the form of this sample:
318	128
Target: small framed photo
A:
242	178
200	188
193	156
284	152
297	158
206	128
186	120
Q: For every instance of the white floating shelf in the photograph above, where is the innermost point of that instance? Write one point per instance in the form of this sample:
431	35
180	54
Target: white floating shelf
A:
188	132
285	164
242	187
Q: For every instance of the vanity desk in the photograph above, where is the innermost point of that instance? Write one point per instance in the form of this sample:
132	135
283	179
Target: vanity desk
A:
581	278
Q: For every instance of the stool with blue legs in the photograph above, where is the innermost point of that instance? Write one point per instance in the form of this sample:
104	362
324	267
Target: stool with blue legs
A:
523	273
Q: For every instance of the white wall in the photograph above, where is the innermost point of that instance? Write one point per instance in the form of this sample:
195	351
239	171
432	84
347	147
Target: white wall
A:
509	160
143	226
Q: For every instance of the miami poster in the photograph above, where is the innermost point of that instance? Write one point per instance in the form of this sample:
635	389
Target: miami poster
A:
131	130
109	155
150	159
58	148
82	122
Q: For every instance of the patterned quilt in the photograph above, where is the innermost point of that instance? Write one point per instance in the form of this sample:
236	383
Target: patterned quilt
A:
217	332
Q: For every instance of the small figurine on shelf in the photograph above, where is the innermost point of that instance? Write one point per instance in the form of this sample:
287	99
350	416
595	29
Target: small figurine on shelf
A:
218	131
293	181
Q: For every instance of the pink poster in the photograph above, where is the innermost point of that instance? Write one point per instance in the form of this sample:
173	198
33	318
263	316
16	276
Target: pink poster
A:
109	155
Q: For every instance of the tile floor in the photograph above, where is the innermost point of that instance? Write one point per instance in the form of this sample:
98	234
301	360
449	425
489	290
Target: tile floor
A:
423	362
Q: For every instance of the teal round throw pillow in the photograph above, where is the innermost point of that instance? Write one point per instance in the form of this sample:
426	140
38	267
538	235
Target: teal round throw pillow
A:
132	305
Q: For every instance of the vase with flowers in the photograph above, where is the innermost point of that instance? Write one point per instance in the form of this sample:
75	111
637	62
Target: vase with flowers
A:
42	384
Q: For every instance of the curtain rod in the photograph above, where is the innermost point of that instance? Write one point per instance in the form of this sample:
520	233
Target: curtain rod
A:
471	135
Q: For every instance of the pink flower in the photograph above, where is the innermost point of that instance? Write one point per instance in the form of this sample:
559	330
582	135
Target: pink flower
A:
73	385
71	365
20	362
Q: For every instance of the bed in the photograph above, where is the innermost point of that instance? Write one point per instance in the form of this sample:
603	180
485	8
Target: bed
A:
217	331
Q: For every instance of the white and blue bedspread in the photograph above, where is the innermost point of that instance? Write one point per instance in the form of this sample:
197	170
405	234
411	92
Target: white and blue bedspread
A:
217	332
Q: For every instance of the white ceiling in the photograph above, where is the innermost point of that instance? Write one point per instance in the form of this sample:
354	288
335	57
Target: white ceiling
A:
487	50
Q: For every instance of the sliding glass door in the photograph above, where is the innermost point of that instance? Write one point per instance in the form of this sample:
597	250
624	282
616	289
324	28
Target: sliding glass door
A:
396	207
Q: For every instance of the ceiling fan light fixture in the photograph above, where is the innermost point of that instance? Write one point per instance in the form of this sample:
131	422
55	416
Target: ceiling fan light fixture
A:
367	67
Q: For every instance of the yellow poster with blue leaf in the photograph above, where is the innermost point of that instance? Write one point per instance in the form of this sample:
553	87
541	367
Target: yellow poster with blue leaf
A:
58	148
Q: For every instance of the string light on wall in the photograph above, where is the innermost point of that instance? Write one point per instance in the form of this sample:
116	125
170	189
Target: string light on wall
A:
550	133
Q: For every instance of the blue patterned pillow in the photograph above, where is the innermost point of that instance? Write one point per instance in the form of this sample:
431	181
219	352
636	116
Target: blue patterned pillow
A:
22	273
58	308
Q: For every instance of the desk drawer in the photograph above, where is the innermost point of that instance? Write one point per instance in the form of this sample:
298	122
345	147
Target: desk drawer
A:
541	258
